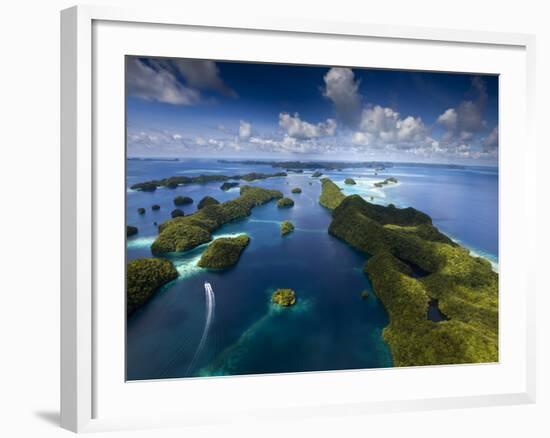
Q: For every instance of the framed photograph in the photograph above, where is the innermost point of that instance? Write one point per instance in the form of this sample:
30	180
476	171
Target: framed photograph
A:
265	218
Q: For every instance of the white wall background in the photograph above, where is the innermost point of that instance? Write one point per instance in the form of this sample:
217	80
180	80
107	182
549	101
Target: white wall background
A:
29	218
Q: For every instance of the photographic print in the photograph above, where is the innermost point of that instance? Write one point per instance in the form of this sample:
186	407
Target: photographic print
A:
296	218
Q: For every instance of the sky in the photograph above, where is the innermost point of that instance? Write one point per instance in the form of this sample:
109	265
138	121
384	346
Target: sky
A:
202	108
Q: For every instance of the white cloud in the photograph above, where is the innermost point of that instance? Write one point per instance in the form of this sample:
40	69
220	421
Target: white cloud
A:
342	89
297	128
362	138
147	83
381	125
245	130
378	120
411	129
448	119
293	145
174	81
466	120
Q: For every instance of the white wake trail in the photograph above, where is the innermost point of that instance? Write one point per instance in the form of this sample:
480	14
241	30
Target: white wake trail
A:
210	307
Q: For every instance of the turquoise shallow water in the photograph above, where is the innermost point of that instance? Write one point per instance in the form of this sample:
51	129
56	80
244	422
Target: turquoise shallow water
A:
331	327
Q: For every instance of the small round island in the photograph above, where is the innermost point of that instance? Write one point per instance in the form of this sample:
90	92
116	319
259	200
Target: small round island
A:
284	297
285	203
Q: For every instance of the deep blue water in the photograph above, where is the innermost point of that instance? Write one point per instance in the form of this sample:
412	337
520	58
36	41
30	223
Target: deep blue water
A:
330	327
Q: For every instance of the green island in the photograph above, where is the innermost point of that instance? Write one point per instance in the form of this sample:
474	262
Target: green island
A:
207	200
141	210
144	277
316	174
175	181
284	297
390	180
184	233
155	207
131	230
223	252
331	195
182	200
365	294
229	185
349	181
287	227
285	203
410	265
176	212
296	190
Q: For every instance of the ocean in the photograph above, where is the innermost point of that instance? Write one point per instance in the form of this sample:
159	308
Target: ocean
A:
185	332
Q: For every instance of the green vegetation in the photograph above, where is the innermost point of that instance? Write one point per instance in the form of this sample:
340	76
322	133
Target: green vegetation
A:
316	174
223	252
177	213
155	207
296	190
284	297
229	185
131	230
390	180
365	294
285	203
207	200
349	181
253	176
286	228
184	233
402	240
331	196
175	181
141	210
148	186
144	277
182	200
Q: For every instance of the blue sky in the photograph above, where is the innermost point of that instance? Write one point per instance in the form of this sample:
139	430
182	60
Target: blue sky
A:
198	108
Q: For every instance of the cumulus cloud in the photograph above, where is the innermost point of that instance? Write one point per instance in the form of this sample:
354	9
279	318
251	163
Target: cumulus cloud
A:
245	130
381	125
178	82
466	119
297	128
448	119
343	90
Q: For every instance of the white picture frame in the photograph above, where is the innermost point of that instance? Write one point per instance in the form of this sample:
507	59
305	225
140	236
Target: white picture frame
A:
84	379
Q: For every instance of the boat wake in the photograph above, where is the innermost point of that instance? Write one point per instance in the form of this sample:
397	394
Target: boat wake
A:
210	306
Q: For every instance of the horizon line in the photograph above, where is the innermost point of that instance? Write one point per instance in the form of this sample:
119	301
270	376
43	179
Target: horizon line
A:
267	160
